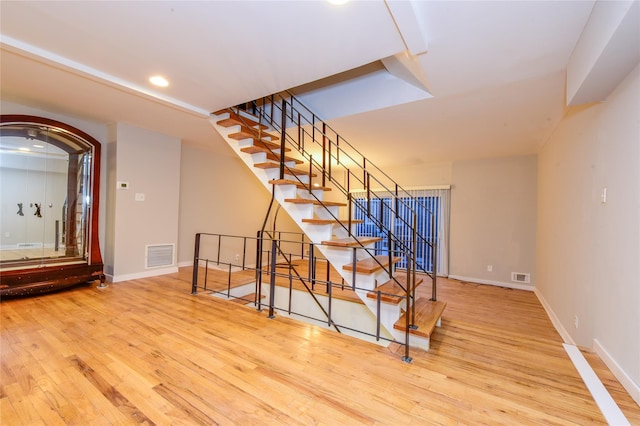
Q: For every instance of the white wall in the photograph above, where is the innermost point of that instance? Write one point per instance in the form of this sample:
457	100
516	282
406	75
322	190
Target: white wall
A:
30	186
493	220
150	163
218	194
588	252
431	174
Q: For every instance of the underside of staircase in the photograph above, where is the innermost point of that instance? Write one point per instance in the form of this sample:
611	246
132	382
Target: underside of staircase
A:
302	192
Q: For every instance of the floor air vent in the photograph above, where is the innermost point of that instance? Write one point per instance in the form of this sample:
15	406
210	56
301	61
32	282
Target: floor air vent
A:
519	277
159	255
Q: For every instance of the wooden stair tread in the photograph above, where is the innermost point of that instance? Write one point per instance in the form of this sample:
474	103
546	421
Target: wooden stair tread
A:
248	132
235	119
300	185
314	202
351	242
287	170
330	221
268	145
371	264
428	313
391	292
270	155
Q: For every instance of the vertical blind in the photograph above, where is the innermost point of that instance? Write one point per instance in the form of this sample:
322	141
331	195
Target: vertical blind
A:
381	212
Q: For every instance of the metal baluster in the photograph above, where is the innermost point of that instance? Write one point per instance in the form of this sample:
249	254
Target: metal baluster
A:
196	263
283	134
324	153
259	270
272	287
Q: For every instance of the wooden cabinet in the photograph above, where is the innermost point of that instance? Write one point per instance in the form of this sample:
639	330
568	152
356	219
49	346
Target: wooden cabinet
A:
50	180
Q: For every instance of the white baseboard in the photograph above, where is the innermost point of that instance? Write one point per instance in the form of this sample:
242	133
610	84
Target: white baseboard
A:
145	274
610	410
566	337
626	381
496	283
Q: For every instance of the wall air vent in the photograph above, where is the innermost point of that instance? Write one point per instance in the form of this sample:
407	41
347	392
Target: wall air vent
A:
29	245
520	277
159	255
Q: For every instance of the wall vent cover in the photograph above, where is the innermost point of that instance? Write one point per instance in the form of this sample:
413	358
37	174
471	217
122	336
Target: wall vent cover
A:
29	245
520	277
159	255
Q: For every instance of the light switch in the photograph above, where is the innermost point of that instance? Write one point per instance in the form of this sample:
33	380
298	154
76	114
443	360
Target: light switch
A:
139	196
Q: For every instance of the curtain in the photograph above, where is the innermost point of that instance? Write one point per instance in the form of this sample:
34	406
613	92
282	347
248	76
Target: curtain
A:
429	204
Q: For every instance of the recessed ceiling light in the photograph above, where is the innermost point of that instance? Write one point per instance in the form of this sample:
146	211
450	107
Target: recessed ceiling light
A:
158	80
337	2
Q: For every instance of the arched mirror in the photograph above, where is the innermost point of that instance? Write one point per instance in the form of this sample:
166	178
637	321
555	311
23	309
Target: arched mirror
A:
49	181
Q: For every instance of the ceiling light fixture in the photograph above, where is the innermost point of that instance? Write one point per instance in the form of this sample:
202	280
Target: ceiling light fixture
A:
337	2
158	80
38	146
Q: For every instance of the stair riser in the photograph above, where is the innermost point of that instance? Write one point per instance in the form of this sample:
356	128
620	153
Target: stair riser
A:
389	313
275	174
316	232
261	157
292	191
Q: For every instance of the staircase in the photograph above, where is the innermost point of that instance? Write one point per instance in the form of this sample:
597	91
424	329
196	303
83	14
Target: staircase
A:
302	161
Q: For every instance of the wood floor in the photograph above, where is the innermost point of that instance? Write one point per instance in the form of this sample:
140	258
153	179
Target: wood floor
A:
148	352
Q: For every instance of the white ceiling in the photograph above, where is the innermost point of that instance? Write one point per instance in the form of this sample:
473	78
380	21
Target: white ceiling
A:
496	70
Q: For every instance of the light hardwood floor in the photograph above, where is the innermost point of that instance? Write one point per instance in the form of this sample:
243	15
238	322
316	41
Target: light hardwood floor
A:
149	352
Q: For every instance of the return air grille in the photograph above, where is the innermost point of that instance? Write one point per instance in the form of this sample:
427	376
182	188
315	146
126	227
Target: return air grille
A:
159	255
520	277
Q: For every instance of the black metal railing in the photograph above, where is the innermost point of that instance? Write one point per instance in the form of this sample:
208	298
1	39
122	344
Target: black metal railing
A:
301	130
280	268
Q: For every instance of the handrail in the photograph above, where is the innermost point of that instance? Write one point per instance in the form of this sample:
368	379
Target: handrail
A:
283	166
331	150
277	243
367	176
260	110
408	248
366	161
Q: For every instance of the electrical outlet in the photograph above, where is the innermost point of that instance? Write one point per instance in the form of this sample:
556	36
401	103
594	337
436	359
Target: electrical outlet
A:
237	257
489	268
575	321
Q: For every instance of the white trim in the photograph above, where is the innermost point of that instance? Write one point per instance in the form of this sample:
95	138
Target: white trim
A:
185	263
490	282
618	372
412	188
610	410
146	274
566	337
